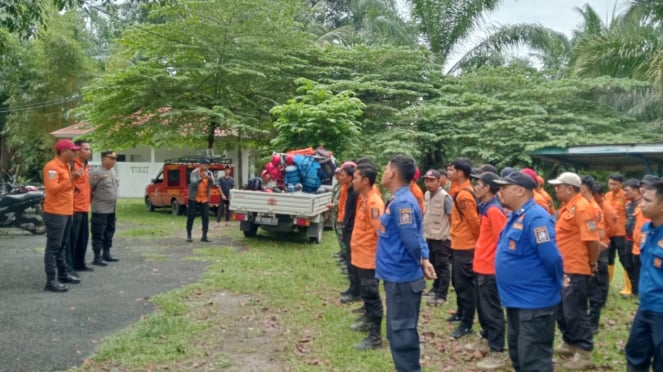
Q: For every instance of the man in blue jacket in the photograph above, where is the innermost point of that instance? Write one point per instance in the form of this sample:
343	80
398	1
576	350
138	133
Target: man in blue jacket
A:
402	262
529	272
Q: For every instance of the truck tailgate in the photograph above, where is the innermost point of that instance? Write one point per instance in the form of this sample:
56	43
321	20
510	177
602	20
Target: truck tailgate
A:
294	204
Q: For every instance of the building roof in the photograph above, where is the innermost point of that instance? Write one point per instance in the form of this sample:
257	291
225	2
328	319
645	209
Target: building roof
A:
73	131
625	158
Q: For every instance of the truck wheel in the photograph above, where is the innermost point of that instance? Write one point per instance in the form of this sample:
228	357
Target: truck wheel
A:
252	231
176	209
315	237
148	204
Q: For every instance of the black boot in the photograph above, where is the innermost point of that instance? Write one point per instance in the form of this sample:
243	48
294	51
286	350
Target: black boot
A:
68	278
98	260
107	257
55	286
374	338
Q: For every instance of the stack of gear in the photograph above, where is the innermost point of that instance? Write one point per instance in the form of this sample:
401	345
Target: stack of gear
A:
302	170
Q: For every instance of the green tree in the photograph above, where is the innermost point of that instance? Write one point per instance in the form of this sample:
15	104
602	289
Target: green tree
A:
318	117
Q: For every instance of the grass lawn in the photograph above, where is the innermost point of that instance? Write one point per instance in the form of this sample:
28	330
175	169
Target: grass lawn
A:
271	303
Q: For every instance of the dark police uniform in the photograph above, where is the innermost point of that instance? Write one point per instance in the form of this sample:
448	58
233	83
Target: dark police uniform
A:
401	247
646	339
529	273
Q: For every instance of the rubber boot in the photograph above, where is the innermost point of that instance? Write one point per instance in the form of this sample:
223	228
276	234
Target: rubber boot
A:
374	338
626	291
98	261
582	360
188	235
611	273
107	256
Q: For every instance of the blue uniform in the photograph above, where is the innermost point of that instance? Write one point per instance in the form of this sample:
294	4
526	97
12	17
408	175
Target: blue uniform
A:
528	265
646	339
401	246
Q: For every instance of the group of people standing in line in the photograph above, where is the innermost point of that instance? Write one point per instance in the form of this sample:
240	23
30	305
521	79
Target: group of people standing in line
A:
71	191
514	259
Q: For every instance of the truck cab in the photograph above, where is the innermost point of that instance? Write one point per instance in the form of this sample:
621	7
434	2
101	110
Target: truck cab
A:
170	188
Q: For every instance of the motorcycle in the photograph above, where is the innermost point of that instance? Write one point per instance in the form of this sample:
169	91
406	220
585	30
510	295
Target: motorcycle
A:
20	206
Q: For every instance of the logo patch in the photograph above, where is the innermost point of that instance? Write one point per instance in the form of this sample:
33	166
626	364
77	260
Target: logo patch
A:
375	213
572	210
52	174
591	225
405	216
512	245
541	234
517	226
660	243
657	263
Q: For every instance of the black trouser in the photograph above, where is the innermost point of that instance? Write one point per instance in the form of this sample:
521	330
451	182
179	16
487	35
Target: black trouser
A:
615	247
489	309
354	288
223	209
403	304
57	236
625	257
599	285
572	316
644	348
440	257
78	239
370	294
531	335
191	213
103	230
464	279
635	279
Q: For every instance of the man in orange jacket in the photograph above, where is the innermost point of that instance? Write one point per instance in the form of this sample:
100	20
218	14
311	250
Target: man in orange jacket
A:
615	197
58	211
80	228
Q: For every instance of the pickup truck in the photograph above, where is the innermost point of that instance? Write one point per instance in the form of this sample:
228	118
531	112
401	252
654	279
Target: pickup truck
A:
292	211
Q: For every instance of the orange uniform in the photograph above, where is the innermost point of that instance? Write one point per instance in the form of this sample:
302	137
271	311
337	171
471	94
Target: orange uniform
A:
58	188
364	240
617	201
600	224
201	196
550	204
575	228
464	218
82	195
342	198
640	221
611	220
418	194
541	200
493	220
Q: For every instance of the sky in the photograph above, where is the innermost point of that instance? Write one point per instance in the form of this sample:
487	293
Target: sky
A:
559	15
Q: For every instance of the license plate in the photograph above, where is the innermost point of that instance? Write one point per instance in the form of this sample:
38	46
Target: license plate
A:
266	220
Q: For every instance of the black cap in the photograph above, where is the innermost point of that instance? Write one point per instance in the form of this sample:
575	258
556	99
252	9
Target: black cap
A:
650	178
432	173
517	178
487	178
110	154
204	161
507	171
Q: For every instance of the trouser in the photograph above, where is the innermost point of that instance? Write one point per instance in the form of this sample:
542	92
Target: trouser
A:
192	211
78	239
489	309
403	302
625	258
103	230
635	278
370	294
338	229
572	316
464	278
440	257
223	209
352	270
57	235
599	284
616	246
530	338
645	341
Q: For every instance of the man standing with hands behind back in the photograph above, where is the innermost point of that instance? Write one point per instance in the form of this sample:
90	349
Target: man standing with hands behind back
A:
58	211
402	262
104	184
80	228
200	190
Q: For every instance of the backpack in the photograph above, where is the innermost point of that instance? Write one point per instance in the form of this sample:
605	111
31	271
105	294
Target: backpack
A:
254	184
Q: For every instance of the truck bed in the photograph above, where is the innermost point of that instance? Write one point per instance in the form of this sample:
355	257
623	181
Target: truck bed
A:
294	204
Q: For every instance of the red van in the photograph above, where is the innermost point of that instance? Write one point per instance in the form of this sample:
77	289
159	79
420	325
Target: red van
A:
170	188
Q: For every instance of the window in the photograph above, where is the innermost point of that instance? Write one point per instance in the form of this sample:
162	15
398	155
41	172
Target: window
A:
174	177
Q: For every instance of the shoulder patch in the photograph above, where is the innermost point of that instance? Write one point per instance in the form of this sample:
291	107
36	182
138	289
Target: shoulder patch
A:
541	234
52	174
657	262
405	216
375	213
591	225
572	210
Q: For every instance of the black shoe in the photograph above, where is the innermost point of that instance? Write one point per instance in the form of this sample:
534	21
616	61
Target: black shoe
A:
360	310
461	331
109	258
595	330
99	262
454	318
189	240
68	278
369	343
345	293
205	240
83	268
55	286
360	326
349	298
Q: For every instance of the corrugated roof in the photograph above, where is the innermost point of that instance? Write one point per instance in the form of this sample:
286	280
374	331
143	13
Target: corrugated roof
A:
73	131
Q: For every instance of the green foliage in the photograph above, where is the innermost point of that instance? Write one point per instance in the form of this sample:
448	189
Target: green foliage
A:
318	117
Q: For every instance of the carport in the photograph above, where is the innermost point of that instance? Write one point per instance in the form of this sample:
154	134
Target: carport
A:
624	158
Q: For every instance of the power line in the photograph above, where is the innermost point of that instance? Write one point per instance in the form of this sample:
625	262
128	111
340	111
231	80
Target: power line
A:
40	105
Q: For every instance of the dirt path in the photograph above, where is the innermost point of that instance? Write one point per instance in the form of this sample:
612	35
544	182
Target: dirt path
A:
43	331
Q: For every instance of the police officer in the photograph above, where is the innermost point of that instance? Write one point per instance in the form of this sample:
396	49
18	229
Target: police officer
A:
527	245
645	342
402	262
200	189
103	185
